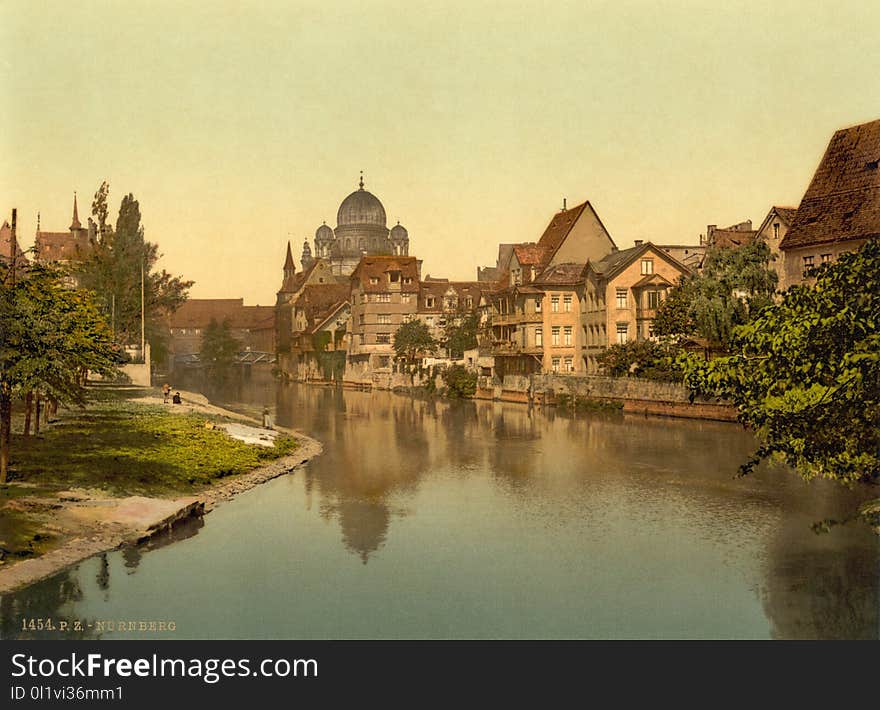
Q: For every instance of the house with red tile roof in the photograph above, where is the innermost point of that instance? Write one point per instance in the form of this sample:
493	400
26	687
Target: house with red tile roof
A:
840	210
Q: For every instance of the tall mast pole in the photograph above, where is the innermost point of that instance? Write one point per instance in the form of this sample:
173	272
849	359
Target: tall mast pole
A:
143	340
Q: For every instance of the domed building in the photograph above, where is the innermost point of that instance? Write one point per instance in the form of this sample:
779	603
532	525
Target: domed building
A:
361	230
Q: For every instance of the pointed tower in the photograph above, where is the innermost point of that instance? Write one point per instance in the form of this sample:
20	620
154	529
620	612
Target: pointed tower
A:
75	225
289	266
306	258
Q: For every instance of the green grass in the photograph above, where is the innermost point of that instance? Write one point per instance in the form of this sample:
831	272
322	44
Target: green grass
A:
127	448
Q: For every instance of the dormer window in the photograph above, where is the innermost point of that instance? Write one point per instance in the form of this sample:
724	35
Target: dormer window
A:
429	302
394	277
374	280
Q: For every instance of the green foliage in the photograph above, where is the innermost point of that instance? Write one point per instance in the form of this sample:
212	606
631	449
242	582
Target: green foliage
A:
129	448
461	334
219	348
573	402
733	287
640	358
332	364
805	373
113	271
460	382
413	340
50	335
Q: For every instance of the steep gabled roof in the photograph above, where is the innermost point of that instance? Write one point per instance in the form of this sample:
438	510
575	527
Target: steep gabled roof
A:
560	227
786	214
560	274
377	266
317	301
611	265
843	199
60	246
7	247
529	254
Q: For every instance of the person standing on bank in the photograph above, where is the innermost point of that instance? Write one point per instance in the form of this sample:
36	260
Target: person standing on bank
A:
166	391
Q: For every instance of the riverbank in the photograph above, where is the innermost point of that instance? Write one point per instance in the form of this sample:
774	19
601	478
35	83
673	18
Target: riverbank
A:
137	467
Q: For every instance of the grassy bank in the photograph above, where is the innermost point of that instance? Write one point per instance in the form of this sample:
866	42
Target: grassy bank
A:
115	447
128	448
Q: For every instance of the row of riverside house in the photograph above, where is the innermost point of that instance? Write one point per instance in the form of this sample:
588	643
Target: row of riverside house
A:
573	293
555	304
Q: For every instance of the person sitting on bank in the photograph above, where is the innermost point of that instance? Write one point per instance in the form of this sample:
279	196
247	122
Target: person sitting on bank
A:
176	398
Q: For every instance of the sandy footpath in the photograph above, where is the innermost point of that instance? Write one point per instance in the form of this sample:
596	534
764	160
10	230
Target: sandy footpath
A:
95	522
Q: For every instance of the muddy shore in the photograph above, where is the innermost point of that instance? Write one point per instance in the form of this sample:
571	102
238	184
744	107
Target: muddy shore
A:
96	522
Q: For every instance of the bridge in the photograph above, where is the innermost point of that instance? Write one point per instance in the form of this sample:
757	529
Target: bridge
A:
243	357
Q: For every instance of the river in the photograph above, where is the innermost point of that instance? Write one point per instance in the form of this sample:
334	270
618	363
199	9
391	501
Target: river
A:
437	519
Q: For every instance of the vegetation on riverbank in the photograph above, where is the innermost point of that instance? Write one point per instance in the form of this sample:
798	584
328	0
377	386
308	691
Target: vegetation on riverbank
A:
116	447
129	448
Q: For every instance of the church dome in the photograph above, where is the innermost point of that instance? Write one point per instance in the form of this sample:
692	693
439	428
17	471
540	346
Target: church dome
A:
324	233
359	208
399	232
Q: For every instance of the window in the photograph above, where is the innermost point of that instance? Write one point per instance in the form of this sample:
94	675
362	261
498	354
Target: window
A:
407	279
555	364
567	334
383	338
405	298
566	304
429	301
469	302
361	319
653	299
429	320
539	337
776	230
374	280
394	277
621	298
647	266
555	335
808	263
384	318
569	364
538	304
622	331
826	258
554	304
383	298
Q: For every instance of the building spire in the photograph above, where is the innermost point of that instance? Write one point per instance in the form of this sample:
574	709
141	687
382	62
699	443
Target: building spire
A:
362	180
75	224
38	221
289	266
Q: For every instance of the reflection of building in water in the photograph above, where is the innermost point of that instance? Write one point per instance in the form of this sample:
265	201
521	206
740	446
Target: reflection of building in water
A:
364	525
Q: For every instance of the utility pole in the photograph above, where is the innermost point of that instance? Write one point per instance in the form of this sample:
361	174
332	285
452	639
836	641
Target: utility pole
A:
143	339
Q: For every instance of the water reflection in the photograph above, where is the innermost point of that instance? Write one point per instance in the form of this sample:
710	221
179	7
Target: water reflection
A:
485	519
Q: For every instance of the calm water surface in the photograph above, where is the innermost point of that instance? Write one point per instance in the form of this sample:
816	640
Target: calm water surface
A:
430	519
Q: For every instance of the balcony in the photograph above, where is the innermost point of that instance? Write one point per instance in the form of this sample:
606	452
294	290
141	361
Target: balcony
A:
505	347
516	318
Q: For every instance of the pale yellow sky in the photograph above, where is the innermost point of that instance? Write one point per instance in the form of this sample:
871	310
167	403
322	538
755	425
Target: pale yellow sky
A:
237	124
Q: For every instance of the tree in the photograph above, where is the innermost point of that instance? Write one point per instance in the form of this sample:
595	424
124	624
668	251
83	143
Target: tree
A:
412	341
461	334
639	358
50	337
113	271
460	382
805	373
734	285
219	348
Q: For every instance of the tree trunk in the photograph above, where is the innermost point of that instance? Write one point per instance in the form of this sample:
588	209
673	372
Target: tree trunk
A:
39	410
5	428
28	410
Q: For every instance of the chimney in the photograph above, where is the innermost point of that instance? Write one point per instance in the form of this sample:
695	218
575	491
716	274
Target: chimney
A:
639	242
563	204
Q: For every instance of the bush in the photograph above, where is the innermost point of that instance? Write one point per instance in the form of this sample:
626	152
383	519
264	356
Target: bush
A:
460	382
